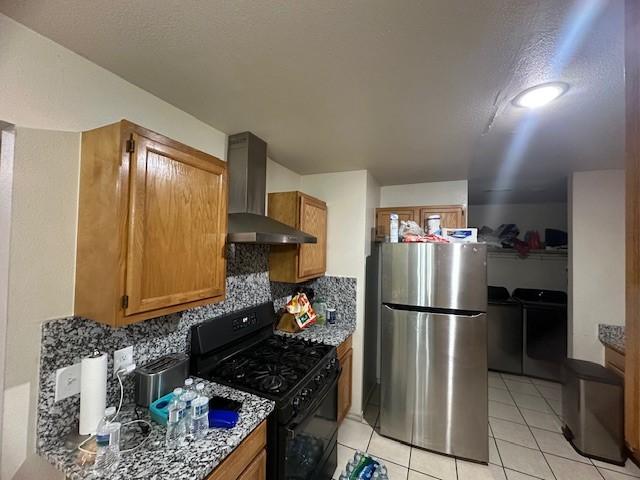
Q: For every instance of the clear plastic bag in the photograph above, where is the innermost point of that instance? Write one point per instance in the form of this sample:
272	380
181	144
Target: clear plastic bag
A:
409	227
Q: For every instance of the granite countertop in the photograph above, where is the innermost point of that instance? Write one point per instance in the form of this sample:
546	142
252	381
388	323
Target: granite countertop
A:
194	461
329	334
612	336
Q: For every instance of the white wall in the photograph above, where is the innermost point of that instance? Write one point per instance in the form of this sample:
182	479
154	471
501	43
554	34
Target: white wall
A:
346	196
281	179
535	271
372	202
432	193
44	85
7	141
536	216
597	263
42	268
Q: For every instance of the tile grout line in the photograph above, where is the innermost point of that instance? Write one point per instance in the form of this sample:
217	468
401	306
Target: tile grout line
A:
518	423
495	444
523	473
455	464
534	437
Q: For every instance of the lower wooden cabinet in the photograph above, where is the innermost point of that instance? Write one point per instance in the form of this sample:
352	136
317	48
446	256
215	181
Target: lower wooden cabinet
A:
258	468
248	461
614	361
345	358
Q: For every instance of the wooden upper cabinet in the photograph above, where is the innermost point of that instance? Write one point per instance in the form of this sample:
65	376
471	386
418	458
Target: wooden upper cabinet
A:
452	216
152	226
298	263
313	220
383	218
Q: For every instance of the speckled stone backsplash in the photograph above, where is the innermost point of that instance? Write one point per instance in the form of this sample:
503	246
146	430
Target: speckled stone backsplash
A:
612	336
338	292
66	341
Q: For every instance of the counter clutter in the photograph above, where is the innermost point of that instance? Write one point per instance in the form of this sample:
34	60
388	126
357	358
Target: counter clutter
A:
330	334
152	460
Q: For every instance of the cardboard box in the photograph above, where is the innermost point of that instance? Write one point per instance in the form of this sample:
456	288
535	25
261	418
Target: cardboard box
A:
461	235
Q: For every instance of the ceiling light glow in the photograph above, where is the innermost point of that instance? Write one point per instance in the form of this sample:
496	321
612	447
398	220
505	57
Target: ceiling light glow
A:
540	95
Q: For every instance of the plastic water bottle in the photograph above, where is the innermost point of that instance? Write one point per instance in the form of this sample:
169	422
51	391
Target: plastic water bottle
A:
107	445
200	413
394	228
176	427
188	396
188	384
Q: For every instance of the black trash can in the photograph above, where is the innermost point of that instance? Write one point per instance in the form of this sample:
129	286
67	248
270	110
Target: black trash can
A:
544	320
504	326
593	411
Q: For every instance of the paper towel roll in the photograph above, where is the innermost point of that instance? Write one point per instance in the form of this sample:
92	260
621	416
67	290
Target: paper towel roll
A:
93	392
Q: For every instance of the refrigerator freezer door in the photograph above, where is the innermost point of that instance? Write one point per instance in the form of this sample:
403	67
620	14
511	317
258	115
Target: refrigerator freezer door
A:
451	276
434	381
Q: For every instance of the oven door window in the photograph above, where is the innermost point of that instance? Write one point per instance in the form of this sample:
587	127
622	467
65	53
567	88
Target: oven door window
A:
310	440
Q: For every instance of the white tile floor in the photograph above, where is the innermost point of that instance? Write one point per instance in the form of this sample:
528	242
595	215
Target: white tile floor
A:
525	442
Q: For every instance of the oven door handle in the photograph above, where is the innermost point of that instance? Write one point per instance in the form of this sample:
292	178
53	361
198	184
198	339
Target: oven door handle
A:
291	430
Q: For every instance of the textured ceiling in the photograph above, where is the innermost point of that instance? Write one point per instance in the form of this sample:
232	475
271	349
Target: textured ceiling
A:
413	90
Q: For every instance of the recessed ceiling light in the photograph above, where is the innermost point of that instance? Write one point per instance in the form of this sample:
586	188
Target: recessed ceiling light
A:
540	95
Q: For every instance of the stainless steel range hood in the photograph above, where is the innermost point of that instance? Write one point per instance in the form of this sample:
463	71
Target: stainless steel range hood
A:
247	167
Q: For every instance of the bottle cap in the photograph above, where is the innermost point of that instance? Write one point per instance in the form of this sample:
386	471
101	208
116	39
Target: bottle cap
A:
188	382
200	386
177	391
109	411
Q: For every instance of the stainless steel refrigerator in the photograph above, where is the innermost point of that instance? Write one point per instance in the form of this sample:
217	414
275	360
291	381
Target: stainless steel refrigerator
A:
433	359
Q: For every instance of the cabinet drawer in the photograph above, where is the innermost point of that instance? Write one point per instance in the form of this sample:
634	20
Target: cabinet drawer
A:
258	468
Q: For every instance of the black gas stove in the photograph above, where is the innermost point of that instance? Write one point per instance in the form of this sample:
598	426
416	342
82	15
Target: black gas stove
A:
242	351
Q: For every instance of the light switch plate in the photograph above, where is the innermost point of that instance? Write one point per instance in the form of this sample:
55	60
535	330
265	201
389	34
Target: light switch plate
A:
122	358
67	381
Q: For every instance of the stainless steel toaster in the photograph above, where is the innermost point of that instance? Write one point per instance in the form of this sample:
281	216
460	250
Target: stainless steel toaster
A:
160	376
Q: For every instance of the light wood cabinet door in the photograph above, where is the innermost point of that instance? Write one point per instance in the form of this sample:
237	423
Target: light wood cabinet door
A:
248	461
345	358
383	219
257	470
152	224
313	220
298	263
451	216
176	233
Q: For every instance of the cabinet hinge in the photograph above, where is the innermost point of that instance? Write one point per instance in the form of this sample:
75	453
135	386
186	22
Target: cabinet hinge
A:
131	145
125	301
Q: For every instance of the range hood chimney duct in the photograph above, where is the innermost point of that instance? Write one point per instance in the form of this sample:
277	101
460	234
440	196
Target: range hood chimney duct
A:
247	167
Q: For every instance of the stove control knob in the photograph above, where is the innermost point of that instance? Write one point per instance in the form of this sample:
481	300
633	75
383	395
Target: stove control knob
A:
305	392
296	402
318	379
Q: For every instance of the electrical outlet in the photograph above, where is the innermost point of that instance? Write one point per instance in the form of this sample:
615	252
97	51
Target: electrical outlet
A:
122	359
67	381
